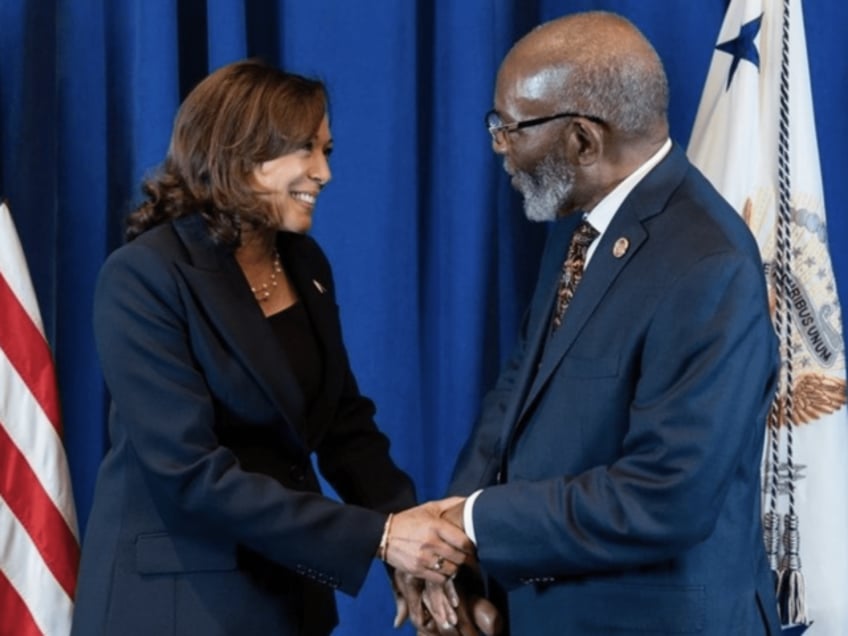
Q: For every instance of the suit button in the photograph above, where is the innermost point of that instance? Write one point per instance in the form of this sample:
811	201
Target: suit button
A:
297	473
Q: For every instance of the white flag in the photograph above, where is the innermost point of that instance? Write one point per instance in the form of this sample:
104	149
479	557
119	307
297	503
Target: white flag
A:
39	546
755	139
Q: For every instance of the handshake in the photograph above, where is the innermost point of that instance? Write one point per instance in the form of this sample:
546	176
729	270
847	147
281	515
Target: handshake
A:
426	546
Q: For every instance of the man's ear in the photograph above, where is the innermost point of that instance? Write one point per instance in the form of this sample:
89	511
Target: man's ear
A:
584	141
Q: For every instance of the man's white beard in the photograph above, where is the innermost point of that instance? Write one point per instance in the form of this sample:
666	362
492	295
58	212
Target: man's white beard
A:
546	190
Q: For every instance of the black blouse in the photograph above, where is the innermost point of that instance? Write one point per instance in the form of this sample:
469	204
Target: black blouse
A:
294	331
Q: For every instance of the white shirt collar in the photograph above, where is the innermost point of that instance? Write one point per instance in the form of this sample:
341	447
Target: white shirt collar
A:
602	214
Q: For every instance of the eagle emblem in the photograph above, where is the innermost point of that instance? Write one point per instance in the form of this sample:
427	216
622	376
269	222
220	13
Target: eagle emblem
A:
814	395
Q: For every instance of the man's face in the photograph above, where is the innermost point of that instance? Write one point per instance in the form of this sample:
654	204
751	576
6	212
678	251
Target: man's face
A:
533	156
546	189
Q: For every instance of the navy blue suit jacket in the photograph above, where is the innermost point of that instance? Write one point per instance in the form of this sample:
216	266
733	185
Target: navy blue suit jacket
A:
206	517
620	457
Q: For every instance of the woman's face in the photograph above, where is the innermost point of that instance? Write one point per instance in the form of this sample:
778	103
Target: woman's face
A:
292	182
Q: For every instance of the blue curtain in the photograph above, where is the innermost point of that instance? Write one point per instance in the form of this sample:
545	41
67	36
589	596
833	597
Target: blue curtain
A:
433	259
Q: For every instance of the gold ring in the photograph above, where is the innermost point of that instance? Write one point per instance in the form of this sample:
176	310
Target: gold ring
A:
440	561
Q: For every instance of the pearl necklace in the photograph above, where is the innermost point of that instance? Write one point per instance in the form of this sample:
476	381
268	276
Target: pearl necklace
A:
263	292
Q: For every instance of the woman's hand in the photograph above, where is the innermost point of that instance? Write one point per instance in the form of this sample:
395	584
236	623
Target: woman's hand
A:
426	546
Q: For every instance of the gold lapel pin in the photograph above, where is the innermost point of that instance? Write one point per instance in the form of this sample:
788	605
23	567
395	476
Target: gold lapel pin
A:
620	247
318	286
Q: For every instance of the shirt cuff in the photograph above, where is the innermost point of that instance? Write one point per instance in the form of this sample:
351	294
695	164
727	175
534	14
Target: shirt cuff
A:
468	516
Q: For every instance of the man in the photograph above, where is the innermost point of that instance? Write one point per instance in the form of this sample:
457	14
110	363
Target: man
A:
613	477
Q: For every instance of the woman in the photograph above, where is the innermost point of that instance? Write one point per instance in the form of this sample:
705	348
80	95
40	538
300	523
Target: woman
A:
219	338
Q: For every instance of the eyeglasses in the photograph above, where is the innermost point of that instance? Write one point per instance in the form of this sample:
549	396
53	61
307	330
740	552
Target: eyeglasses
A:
496	125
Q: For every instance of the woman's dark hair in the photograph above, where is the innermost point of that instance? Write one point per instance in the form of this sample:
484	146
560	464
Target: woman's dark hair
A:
238	117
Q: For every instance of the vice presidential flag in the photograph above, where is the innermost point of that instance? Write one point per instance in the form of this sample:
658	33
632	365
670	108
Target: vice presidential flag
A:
39	546
755	139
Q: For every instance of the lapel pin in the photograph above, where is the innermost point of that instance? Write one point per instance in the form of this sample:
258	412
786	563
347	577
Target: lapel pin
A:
620	247
318	286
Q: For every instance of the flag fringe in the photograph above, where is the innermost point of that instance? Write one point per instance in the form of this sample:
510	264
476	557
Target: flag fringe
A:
791	589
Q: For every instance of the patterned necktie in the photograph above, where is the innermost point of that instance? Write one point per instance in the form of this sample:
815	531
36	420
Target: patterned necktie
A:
572	268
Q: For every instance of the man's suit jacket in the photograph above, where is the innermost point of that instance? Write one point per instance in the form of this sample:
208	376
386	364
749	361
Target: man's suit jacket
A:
206	518
620	456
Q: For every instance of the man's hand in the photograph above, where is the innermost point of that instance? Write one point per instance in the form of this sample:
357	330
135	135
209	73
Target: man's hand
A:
436	608
466	614
486	616
421	543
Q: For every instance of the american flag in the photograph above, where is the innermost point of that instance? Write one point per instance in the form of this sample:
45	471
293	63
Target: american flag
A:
39	544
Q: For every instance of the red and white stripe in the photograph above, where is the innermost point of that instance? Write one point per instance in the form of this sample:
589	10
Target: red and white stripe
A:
39	545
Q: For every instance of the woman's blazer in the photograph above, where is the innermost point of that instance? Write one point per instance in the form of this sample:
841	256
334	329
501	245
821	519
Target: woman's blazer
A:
206	517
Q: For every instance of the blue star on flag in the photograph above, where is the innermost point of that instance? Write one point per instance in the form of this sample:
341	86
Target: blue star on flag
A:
742	47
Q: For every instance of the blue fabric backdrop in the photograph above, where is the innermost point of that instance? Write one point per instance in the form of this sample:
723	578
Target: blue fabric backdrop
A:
433	259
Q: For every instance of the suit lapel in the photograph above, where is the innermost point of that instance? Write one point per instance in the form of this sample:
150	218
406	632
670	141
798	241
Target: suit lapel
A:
538	321
221	289
646	200
603	269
